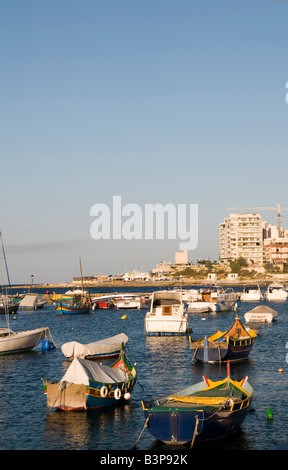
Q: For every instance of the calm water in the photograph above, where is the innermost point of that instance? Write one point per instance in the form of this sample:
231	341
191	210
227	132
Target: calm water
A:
164	365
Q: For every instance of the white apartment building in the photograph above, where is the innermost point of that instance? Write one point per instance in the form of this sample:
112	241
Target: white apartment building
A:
241	235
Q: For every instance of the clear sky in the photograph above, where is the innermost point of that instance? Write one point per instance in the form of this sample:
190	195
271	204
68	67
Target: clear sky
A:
158	101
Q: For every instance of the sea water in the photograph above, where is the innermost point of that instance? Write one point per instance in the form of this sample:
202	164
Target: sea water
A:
164	366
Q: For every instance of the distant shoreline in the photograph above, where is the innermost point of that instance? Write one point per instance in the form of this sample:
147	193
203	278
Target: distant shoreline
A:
184	283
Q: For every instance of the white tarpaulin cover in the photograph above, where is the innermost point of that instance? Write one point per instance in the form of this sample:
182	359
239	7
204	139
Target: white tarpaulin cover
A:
104	346
81	370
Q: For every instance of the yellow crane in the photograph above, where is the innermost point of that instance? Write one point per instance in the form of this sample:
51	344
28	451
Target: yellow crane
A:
277	208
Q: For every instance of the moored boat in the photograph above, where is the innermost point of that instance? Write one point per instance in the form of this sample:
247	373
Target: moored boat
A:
234	344
212	299
203	411
88	385
20	341
103	302
32	302
261	314
128	301
105	348
7	305
276	292
72	308
251	293
166	315
75	306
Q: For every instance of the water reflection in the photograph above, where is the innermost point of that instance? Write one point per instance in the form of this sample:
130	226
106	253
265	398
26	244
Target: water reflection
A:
90	429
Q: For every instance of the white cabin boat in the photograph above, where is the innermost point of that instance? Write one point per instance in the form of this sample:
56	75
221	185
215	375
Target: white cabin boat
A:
166	315
276	292
251	293
260	314
213	299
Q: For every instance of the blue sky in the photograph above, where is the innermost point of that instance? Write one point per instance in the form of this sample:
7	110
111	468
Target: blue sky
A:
157	101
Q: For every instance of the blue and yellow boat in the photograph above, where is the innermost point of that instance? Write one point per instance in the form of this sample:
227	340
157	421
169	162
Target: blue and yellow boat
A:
72	307
234	344
204	411
89	385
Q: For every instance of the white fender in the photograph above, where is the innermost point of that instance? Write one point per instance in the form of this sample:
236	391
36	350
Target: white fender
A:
104	391
117	393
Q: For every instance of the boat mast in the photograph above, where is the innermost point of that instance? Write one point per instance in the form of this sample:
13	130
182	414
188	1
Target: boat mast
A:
6	267
4	256
81	279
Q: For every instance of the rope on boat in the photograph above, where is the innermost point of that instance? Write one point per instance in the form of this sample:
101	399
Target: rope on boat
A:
62	387
195	432
212	342
145	426
195	353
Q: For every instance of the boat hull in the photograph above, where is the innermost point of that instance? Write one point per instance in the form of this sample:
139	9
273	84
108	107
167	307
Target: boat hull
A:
250	297
232	351
63	309
74	397
105	305
203	411
177	426
22	341
106	348
10	308
166	327
278	297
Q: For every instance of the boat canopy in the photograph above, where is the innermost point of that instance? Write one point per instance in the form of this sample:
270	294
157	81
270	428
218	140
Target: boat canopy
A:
263	309
82	370
166	298
236	331
105	346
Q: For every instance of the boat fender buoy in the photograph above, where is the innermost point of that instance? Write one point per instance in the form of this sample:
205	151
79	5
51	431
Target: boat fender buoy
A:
104	391
47	345
117	393
123	317
280	370
269	413
127	396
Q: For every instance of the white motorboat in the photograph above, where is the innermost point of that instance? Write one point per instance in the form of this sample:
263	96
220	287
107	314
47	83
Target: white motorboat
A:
213	299
128	301
251	293
260	314
16	342
189	295
108	347
276	292
166	315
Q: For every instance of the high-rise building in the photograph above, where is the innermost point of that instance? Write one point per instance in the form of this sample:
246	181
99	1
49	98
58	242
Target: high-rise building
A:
241	235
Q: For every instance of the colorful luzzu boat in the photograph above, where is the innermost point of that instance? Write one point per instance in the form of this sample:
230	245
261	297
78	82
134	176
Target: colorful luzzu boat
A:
234	344
203	411
68	308
88	385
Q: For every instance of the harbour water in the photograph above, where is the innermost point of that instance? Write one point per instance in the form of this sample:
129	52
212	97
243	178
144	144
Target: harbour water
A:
164	365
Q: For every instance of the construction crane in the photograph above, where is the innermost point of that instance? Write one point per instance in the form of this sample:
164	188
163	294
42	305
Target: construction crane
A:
279	223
